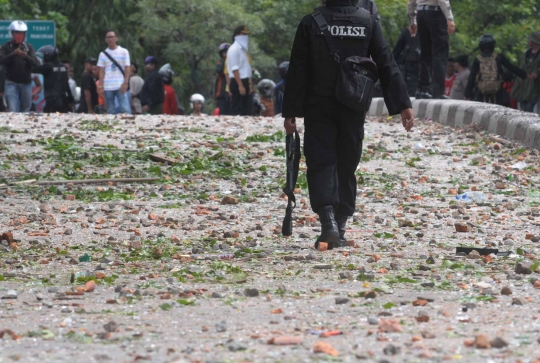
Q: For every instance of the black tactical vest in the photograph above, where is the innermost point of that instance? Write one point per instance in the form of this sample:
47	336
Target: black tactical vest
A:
352	34
56	83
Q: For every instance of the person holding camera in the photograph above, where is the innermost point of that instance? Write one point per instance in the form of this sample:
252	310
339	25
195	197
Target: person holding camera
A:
18	59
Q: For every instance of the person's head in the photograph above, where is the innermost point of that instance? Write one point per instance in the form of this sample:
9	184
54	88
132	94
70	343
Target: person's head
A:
150	63
462	62
487	44
266	88
197	103
450	68
534	40
329	2
69	69
89	63
134	68
241	32
167	74
111	39
17	31
283	69
49	53
223	48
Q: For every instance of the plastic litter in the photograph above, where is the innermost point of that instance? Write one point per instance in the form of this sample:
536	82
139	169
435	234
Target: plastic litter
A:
520	165
469	197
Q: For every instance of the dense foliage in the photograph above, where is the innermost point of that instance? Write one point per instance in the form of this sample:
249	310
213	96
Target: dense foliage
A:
186	33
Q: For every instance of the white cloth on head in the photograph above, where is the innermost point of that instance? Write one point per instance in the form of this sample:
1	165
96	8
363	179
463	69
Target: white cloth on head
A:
238	60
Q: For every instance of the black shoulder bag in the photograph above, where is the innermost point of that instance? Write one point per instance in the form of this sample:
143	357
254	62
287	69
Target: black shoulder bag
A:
357	75
117	65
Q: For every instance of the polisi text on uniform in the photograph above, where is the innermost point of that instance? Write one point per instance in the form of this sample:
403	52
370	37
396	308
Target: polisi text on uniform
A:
348	31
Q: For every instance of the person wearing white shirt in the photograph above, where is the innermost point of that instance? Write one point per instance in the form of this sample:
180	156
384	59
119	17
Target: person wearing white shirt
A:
239	69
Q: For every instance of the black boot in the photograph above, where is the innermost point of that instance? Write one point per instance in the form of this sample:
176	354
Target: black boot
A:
341	221
423	95
329	228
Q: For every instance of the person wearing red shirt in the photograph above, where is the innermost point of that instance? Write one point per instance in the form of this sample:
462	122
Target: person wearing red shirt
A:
170	106
451	76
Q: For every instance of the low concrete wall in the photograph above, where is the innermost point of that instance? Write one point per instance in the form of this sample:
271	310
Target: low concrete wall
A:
508	123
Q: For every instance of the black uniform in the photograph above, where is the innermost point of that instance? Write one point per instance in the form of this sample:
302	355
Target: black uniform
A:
153	93
334	133
407	55
2	88
220	89
88	83
58	95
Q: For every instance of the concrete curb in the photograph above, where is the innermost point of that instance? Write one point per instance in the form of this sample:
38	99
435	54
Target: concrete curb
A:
508	123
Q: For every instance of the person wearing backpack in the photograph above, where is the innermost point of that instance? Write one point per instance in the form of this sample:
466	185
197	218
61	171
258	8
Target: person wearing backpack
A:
527	91
407	55
339	51
486	77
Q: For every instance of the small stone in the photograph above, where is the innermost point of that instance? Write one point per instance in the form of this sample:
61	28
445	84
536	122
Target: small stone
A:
228	200
68	232
342	300
424	268
391	349
506	291
482	342
523	268
373	320
461	227
430	260
347	275
217	295
111	327
428	284
48	304
236	347
11	295
498	342
322	267
39	297
405	223
517	301
221	327
251	292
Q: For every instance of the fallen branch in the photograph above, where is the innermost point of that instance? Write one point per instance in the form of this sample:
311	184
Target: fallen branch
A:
499	140
97	181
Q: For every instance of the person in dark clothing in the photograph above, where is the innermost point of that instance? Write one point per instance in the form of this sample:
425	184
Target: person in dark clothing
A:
279	91
240	73
153	91
58	97
433	22
334	132
222	81
486	77
2	82
89	95
18	59
407	55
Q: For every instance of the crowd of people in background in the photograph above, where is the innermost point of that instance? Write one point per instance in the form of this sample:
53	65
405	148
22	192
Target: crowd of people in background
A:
38	81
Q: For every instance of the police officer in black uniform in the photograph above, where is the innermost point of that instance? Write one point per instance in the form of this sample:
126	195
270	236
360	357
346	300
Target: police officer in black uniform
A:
407	55
58	97
334	132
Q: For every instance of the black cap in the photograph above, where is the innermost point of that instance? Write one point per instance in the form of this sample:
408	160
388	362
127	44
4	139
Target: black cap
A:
91	60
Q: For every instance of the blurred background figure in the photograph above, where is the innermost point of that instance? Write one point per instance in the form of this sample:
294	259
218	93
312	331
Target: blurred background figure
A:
527	91
136	84
279	91
196	102
266	89
170	105
221	86
450	77
58	96
462	77
407	55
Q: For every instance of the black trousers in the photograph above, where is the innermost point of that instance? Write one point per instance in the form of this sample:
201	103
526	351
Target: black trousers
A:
435	46
52	107
410	75
333	149
224	105
241	105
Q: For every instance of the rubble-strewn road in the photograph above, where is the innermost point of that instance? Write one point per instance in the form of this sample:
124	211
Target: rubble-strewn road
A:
129	273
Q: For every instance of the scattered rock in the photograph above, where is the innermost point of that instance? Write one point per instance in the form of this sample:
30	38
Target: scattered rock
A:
498	342
523	268
10	295
482	342
221	326
251	292
506	291
111	327
391	349
228	200
342	300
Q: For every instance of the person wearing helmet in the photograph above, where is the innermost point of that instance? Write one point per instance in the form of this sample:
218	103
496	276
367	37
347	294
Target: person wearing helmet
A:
170	106
266	95
153	93
18	59
325	41
58	97
221	85
279	91
485	80
197	102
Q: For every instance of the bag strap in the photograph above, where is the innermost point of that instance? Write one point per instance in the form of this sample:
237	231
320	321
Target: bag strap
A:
115	63
293	167
325	31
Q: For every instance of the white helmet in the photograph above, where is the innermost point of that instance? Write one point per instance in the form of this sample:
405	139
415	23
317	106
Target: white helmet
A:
17	26
196	98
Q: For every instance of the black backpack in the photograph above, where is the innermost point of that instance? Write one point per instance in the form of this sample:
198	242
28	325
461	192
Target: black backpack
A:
357	75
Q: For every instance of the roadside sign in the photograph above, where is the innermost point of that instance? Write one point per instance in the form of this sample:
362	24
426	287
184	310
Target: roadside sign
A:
40	32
